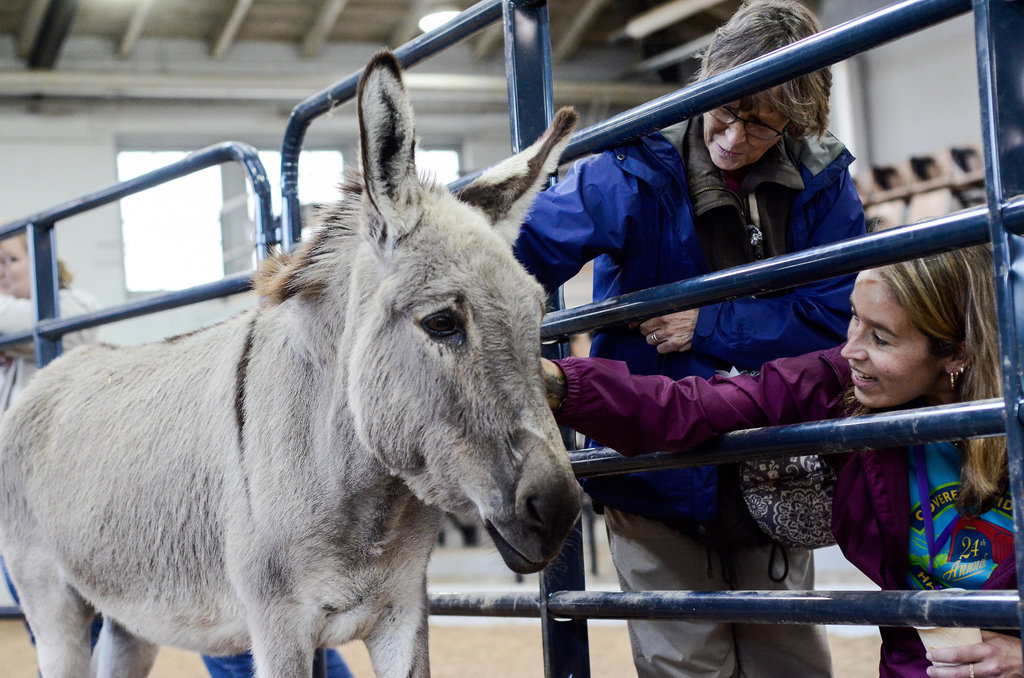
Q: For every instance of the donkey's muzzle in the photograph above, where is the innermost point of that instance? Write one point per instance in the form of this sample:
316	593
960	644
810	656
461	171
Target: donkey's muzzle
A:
547	504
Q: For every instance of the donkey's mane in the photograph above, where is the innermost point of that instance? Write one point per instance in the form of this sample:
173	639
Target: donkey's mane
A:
283	275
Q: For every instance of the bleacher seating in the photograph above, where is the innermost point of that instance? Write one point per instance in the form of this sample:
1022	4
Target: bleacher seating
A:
924	186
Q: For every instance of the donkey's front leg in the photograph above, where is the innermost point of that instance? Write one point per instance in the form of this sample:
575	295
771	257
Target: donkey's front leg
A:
281	645
398	643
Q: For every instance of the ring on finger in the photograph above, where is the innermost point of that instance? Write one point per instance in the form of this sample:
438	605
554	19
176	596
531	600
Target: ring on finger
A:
970	667
654	336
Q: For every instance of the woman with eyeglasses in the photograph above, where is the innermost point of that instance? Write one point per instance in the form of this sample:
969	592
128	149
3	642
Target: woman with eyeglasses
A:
750	179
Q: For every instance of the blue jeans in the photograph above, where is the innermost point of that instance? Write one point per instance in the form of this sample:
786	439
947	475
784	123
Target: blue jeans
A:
235	666
240	665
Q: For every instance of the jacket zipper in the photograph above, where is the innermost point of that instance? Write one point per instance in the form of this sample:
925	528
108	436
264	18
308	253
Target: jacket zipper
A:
754	228
752	219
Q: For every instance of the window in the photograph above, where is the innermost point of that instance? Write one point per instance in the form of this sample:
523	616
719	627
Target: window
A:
180	234
319	176
443	165
171	232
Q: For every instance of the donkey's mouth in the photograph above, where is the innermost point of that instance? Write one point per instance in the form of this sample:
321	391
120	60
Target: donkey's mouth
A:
515	560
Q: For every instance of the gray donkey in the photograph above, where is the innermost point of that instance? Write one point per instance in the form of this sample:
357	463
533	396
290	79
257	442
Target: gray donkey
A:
277	481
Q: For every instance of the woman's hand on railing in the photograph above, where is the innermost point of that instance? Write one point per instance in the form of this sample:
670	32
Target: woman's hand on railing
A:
998	655
672	332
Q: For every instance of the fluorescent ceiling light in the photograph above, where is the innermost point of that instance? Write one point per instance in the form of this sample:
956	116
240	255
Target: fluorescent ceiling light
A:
436	19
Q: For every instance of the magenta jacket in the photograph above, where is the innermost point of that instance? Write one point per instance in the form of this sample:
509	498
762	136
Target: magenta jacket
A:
871	508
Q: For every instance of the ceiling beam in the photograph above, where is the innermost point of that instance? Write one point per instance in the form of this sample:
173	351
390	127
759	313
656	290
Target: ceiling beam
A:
573	36
290	89
230	30
322	27
31	24
53	33
662	16
135	28
676	55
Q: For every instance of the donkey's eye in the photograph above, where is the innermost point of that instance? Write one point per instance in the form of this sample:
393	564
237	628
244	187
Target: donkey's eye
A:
442	325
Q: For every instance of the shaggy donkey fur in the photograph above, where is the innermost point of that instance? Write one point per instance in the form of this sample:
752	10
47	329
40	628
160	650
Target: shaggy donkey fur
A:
277	481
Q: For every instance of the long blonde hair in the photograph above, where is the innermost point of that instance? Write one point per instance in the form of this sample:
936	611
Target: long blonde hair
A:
950	297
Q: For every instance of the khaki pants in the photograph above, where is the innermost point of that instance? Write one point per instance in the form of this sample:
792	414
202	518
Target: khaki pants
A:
650	556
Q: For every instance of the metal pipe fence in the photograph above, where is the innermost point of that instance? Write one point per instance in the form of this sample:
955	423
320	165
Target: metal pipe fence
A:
562	604
48	329
561	597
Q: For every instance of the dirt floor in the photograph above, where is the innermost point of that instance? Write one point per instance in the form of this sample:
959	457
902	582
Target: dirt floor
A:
491	648
459	652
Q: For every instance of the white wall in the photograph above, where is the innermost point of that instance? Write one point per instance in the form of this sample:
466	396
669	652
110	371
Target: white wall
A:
915	95
54	152
48	160
922	92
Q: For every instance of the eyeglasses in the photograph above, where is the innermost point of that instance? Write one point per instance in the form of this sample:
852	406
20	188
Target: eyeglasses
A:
753	128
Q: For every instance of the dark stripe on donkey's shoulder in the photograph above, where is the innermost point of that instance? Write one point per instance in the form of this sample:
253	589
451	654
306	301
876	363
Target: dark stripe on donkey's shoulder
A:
241	373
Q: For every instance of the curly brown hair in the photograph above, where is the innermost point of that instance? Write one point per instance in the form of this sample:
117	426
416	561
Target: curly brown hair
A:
64	276
757	28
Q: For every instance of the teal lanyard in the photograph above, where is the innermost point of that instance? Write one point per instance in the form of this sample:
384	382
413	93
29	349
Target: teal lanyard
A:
924	492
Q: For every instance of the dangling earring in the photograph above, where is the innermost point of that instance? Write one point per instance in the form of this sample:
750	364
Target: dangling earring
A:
954	377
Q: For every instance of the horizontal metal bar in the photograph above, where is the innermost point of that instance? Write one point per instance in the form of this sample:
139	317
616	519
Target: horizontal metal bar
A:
927	424
235	284
485	604
244	154
15	338
961	229
817	51
1012	212
984	609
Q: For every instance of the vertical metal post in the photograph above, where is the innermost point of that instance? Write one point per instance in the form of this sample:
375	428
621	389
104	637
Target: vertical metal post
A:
42	253
528	65
531	107
320	663
998	27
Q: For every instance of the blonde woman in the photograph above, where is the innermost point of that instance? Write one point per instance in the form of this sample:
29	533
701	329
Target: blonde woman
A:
17	312
922	333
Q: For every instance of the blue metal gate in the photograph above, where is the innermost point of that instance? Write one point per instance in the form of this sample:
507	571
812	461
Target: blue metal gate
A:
562	604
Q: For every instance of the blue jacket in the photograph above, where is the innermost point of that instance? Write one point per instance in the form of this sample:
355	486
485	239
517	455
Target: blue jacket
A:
629	210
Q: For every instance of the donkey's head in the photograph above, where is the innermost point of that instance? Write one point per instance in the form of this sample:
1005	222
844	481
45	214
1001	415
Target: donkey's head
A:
443	334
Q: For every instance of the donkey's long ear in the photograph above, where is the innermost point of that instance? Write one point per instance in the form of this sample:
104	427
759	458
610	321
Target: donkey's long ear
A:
387	136
506	191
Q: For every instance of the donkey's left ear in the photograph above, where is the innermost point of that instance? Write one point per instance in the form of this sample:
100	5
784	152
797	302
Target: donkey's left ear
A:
506	191
387	147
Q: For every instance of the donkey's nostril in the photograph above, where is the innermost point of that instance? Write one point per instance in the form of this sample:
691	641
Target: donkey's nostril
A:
533	510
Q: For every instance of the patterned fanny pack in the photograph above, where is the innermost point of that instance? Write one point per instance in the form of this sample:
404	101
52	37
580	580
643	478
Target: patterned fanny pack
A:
790	499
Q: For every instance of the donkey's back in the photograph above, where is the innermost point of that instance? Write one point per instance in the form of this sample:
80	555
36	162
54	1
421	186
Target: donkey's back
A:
119	460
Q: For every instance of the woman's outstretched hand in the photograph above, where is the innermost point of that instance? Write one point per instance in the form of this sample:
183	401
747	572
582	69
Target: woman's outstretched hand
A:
554	384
